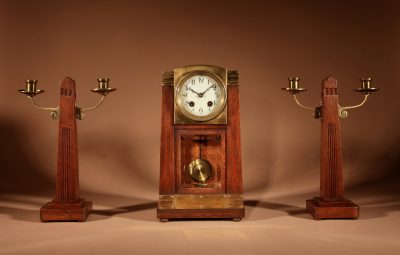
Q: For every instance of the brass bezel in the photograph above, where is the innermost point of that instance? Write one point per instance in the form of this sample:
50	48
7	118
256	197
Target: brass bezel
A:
181	75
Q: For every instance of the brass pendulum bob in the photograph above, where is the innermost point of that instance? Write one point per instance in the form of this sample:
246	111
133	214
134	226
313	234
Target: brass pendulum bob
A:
199	169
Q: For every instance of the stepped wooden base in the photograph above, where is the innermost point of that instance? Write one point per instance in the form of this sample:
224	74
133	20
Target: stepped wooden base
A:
52	211
167	214
345	209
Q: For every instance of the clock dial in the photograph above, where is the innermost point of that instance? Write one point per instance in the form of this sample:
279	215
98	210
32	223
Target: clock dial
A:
201	96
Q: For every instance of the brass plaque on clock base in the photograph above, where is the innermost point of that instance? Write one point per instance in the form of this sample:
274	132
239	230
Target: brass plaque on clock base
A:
345	209
52	211
194	206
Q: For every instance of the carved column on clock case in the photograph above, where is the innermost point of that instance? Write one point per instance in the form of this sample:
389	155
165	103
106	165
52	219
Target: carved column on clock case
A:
67	204
331	203
234	158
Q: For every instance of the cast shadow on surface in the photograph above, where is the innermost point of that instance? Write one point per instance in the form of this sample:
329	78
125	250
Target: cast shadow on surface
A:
22	183
121	206
275	209
125	155
19	214
20	173
379	191
130	158
377	196
114	205
371	205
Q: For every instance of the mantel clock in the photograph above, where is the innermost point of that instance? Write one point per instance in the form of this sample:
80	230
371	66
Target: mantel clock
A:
200	168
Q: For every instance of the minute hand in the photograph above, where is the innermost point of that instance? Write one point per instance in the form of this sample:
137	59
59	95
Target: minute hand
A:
201	94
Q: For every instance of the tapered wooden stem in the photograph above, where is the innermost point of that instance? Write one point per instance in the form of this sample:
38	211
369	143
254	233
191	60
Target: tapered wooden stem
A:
331	203
67	186
67	205
331	149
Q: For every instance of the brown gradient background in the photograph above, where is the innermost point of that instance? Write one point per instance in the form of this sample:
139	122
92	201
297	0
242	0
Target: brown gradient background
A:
132	42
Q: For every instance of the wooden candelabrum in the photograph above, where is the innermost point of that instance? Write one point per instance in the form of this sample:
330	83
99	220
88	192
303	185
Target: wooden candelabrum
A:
331	204
67	204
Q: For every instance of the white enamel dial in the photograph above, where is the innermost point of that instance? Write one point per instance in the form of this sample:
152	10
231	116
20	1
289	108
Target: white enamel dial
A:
201	96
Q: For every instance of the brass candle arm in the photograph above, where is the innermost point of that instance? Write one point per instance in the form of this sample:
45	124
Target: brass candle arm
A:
294	89
366	89
102	90
81	112
55	111
316	110
301	105
31	90
343	113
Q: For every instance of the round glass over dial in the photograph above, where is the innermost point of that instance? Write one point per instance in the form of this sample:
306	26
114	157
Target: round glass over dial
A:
201	96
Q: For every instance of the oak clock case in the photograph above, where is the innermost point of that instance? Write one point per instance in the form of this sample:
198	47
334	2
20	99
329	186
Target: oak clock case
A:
200	173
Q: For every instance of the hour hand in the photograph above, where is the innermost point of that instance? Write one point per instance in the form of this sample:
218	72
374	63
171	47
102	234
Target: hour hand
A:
194	92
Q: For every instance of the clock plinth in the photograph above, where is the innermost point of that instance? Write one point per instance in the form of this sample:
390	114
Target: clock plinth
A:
234	214
200	170
331	204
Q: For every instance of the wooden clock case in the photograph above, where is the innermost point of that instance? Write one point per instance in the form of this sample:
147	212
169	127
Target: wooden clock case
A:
216	140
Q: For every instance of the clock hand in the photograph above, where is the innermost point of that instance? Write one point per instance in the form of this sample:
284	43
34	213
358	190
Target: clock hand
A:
201	94
195	92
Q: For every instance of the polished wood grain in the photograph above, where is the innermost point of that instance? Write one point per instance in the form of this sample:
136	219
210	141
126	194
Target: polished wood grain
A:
220	146
233	152
331	203
167	179
67	205
236	214
213	150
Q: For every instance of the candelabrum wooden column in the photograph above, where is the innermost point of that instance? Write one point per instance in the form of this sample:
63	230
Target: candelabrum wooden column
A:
67	205
331	203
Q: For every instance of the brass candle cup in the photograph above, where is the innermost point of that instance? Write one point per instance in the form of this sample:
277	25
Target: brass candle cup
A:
366	83
30	85
103	83
294	87
294	83
31	88
103	87
366	86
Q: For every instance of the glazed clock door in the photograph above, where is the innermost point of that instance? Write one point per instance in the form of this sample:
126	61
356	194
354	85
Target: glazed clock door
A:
208	146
